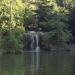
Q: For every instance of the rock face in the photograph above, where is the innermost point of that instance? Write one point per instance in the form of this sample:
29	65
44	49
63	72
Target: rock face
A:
44	44
32	39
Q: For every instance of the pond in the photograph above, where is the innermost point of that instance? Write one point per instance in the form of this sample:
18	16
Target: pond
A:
41	63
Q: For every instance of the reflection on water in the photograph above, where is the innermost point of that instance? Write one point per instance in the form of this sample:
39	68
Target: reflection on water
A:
47	64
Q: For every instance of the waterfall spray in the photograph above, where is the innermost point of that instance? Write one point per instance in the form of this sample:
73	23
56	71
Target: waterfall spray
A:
34	51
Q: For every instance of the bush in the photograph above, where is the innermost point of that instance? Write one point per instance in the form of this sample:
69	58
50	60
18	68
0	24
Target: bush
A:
11	41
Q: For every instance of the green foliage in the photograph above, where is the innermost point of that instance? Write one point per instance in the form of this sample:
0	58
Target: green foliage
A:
11	41
54	22
11	24
49	16
11	13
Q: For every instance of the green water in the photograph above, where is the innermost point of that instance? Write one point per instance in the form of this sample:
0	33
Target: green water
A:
48	64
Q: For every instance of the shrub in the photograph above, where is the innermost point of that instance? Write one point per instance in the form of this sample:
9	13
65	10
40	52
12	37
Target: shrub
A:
11	41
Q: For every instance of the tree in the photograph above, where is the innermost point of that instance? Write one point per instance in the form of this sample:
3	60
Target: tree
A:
53	22
11	17
11	13
43	13
72	22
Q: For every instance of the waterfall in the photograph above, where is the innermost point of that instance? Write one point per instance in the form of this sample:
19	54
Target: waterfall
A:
37	43
34	51
37	52
34	41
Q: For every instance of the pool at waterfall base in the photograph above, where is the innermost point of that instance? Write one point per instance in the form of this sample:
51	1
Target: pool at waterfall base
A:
38	63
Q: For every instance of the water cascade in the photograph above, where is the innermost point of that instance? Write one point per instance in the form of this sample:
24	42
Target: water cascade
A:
34	52
37	52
